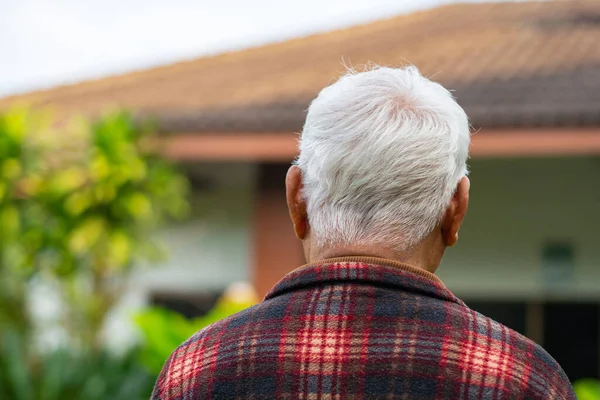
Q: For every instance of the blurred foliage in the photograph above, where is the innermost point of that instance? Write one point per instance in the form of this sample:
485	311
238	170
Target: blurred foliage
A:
587	389
79	202
66	375
79	205
164	330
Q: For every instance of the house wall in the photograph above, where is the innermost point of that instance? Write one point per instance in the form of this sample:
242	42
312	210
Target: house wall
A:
516	206
276	249
212	247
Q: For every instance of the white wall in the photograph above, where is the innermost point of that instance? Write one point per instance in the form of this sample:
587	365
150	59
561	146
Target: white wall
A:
516	206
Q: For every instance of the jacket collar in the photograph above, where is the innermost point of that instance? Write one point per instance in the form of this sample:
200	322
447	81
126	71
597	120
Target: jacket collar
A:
373	270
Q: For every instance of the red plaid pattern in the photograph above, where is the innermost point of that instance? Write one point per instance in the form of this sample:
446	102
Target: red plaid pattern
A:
360	328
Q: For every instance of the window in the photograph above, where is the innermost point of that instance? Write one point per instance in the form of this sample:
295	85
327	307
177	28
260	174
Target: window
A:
188	305
557	264
572	336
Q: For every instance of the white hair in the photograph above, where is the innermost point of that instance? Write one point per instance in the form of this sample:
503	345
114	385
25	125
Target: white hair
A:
381	154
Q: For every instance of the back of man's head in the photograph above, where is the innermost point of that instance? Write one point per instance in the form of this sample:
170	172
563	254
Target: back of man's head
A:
381	154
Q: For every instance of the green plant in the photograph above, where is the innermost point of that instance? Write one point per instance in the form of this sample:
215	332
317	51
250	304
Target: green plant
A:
79	204
587	389
20	237
62	374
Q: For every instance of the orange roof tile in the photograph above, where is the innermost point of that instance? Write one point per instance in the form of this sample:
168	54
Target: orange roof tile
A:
526	63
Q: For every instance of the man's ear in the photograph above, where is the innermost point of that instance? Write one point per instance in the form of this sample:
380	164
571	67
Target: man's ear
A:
455	214
296	202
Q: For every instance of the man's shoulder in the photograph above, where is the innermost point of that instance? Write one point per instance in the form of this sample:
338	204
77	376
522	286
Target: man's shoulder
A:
195	356
466	346
512	358
213	332
489	332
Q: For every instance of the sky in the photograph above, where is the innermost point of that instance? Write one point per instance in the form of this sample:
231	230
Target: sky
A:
45	43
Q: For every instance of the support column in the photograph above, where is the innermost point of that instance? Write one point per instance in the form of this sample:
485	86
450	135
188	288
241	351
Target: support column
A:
534	325
276	249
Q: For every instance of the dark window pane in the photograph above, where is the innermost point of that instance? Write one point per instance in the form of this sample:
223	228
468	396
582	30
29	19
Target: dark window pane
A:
188	305
571	336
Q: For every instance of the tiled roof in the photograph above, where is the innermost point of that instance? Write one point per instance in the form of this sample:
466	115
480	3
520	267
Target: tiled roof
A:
510	64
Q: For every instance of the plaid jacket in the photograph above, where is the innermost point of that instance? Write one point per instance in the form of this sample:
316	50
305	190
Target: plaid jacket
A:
360	328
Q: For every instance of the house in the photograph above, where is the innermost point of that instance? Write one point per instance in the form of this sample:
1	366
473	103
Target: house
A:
528	75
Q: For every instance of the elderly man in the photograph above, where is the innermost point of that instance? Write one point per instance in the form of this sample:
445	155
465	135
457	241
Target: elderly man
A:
378	193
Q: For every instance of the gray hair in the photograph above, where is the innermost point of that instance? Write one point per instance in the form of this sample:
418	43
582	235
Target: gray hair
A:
381	153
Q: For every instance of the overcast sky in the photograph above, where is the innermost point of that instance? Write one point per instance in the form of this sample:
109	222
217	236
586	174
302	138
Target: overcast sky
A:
51	42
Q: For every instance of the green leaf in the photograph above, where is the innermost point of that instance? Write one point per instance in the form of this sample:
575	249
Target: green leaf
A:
139	206
10	168
78	202
119	248
587	389
68	180
86	235
15	123
9	222
3	190
100	168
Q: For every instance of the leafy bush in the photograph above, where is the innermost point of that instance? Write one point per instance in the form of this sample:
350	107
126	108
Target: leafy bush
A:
61	375
79	204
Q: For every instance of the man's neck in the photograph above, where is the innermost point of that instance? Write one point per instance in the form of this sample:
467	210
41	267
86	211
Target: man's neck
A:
417	258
